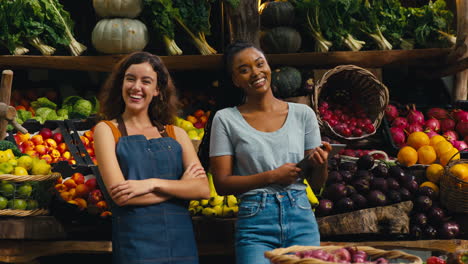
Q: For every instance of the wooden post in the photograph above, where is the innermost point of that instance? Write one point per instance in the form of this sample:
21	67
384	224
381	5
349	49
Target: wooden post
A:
244	22
460	51
5	92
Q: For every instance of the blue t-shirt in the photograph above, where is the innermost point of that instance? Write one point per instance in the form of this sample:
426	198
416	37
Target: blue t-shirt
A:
255	151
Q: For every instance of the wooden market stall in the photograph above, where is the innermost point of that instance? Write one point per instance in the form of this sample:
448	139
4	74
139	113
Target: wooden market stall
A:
28	242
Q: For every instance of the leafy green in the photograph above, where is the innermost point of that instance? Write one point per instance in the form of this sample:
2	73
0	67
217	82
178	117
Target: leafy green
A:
394	22
43	102
159	14
194	18
10	38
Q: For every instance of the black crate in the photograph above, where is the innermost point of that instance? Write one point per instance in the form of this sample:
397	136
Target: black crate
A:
75	126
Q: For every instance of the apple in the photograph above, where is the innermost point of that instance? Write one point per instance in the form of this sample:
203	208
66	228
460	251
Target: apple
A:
37	139
105	214
45	133
48	158
90	151
55	155
23	137
91	183
85	140
203	119
82	190
102	205
58	137
94	160
24	191
70	183
17	204
89	134
3	202
28	145
31	152
82	204
41	149
66	196
51	143
78	178
95	196
62	147
17	139
32	204
67	155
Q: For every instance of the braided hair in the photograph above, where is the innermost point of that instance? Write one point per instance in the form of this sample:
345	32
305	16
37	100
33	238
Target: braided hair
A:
227	95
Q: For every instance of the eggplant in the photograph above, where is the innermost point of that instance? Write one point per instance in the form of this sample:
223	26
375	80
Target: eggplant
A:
360	202
344	205
347	176
449	230
429	232
348	166
379	184
365	162
350	190
405	194
422	203
361	185
364	174
416	232
334	177
394	196
419	219
396	172
324	208
411	186
427	191
436	215
376	198
333	163
380	171
392	184
335	191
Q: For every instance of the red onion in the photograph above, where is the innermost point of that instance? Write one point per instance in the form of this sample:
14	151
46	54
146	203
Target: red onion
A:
447	124
400	122
460	115
462	128
415	117
414	128
391	112
460	145
432	124
431	133
451	136
437	113
399	137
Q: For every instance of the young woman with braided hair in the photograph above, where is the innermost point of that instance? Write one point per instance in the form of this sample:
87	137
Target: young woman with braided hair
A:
253	145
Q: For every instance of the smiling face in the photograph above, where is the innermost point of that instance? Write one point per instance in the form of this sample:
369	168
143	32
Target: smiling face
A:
251	72
139	86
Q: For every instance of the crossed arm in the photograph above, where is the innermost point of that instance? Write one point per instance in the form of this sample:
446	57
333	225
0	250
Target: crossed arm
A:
192	185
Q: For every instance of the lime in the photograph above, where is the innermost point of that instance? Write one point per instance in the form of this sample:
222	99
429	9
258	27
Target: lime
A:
7	189
24	191
32	204
3	202
6	167
18	204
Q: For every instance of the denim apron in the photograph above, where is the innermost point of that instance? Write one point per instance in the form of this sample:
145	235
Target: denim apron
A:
159	233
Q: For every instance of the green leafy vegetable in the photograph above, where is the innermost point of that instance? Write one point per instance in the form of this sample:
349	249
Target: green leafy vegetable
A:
43	102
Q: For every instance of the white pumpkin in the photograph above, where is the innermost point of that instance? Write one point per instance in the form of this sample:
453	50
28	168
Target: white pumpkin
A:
118	8
119	35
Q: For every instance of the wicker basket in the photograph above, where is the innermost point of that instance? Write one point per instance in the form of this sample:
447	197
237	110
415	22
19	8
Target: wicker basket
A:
42	194
281	256
453	190
363	87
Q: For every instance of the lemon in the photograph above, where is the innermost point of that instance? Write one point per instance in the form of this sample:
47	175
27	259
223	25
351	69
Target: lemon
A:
436	139
434	172
40	168
3	157
6	167
13	162
460	171
192	134
25	162
443	147
9	154
186	125
20	171
431	185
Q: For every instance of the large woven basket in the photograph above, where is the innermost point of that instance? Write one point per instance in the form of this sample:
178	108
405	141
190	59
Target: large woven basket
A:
43	193
283	256
371	94
453	190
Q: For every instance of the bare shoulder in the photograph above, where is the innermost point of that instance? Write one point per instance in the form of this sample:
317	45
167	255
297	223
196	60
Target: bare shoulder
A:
179	132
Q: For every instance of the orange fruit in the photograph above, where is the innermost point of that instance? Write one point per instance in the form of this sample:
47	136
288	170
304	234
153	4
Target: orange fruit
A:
460	171
442	147
447	156
431	185
436	139
407	156
418	139
426	155
434	172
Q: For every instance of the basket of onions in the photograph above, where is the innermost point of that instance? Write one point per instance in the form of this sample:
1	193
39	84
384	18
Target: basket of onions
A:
338	254
350	102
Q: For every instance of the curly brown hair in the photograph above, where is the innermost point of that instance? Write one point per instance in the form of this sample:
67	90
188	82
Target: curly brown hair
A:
162	109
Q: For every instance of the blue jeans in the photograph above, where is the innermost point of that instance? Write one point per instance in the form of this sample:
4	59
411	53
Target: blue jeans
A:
269	221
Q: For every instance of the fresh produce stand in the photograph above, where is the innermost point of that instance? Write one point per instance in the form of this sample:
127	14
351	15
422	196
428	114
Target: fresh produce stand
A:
26	240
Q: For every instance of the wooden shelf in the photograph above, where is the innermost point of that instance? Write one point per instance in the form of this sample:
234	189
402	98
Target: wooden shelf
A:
369	59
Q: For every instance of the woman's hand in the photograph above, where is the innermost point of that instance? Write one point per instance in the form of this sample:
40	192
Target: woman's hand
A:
286	174
319	155
131	188
194	170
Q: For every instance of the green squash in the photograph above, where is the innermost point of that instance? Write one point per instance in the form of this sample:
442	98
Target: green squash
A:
276	14
281	40
286	82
